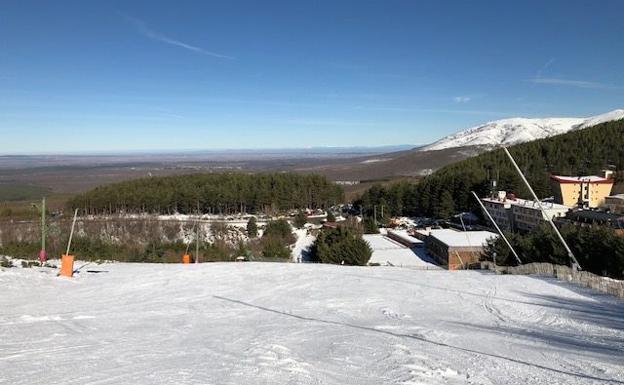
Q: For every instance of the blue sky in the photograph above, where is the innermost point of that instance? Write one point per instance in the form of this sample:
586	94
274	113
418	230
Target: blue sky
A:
123	75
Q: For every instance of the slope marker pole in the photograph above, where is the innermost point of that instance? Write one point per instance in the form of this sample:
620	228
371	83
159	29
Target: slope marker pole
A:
197	242
71	233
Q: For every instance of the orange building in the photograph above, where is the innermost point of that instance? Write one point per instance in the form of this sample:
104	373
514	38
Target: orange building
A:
585	191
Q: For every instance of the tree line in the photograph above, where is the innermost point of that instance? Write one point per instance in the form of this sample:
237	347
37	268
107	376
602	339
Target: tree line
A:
447	190
149	240
217	193
598	249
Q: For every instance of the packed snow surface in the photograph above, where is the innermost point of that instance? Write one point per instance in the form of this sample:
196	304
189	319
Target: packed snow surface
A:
519	130
270	323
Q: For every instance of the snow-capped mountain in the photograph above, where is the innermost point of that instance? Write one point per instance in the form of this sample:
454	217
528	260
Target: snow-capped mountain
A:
519	130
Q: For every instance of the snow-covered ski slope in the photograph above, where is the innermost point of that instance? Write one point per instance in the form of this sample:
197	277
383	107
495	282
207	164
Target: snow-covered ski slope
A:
270	323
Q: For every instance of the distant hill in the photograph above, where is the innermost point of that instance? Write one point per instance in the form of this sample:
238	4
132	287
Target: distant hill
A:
411	163
421	161
447	190
519	130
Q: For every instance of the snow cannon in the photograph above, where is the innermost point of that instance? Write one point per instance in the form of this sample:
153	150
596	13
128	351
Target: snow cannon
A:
43	256
67	266
186	259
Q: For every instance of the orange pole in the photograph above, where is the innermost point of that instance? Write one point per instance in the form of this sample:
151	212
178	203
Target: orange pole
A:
67	266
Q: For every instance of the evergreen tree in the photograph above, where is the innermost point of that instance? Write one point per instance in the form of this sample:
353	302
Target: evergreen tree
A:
369	226
341	246
331	217
279	229
252	228
274	248
599	250
445	206
300	219
222	193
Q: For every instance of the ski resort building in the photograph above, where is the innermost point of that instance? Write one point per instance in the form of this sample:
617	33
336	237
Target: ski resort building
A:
583	191
457	249
595	218
511	213
404	238
615	203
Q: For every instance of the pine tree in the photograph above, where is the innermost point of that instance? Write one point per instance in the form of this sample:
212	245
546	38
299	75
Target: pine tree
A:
445	206
252	228
369	226
300	219
341	246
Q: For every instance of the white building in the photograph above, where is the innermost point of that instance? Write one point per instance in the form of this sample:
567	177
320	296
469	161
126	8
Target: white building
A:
511	213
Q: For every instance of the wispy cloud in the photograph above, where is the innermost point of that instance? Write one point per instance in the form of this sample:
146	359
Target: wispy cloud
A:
540	71
572	83
462	99
558	81
142	27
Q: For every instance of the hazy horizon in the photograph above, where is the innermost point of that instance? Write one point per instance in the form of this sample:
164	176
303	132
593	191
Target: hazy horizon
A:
199	151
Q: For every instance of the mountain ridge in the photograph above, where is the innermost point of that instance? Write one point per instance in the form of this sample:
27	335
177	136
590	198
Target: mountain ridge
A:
512	131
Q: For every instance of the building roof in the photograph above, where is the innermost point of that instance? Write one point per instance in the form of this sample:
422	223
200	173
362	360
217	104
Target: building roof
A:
528	203
404	235
463	238
617	196
581	179
545	205
505	202
427	232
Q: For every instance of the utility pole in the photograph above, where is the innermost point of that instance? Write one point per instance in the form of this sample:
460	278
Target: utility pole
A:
43	256
573	262
197	234
197	242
